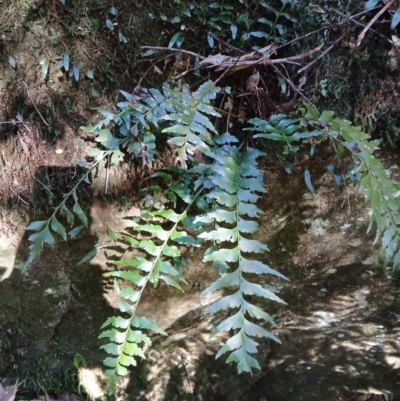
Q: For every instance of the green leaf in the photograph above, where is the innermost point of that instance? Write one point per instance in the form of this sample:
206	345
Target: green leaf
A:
130	275
127	360
109	24
89	74
111	348
110	362
89	255
130	239
12	62
249	209
79	212
37	225
234	31
168	214
251	245
247	226
58	228
156	230
73	233
170	281
111	234
66	61
223	255
256	312
256	289
129	293
307	178
79	360
171	251
257	267
150	247
113	11
144	323
371	4
395	19
174	39
45	67
75	71
230	301
48	237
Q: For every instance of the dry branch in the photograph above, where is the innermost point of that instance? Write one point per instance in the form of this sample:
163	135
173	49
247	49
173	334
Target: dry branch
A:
365	30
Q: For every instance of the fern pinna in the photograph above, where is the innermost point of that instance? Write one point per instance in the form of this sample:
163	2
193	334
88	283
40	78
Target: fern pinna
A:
236	180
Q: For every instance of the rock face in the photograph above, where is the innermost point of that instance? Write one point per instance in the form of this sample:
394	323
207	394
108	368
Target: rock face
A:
339	331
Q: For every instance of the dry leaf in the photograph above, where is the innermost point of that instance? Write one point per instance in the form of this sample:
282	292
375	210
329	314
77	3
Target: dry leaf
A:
302	82
157	70
8	393
216	59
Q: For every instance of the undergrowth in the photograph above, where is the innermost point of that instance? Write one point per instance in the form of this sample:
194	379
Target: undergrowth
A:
208	196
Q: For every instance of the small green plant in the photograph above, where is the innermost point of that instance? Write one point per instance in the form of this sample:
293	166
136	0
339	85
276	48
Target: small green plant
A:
210	198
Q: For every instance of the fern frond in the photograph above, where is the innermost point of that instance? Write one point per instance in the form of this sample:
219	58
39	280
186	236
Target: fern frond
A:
127	336
46	229
191	127
380	191
236	181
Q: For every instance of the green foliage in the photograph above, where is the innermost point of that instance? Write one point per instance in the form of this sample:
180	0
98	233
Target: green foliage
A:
224	182
380	191
230	20
235	180
127	336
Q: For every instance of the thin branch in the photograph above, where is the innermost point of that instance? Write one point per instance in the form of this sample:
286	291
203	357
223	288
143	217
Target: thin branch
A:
26	203
365	30
324	53
349	18
187	377
172	49
295	89
13	122
40	182
226	43
360	24
34	105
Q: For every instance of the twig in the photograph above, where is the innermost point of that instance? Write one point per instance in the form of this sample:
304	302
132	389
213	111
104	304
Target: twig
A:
360	24
34	105
13	122
299	92
40	182
349	18
326	51
365	30
187	377
107	175
26	203
226	43
173	49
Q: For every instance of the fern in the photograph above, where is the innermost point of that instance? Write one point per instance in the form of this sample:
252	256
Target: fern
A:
156	262
380	191
236	181
46	229
225	183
